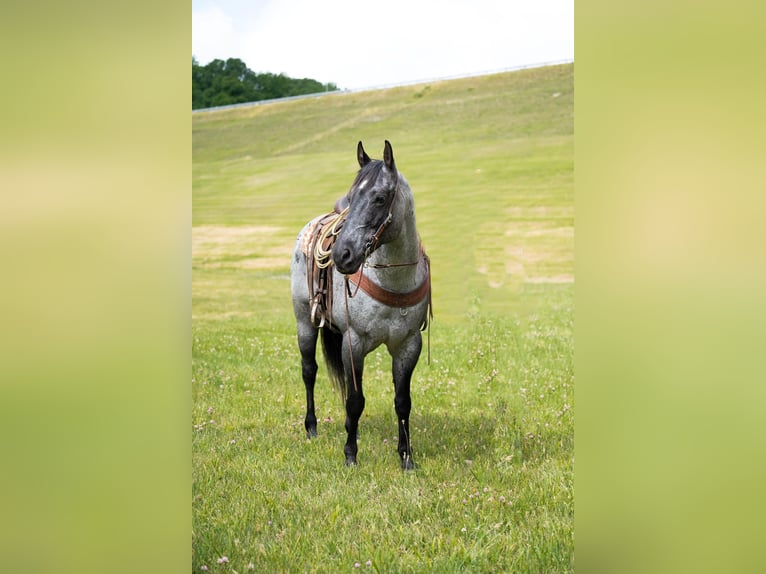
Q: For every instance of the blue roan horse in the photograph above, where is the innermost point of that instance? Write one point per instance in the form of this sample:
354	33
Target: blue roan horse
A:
361	277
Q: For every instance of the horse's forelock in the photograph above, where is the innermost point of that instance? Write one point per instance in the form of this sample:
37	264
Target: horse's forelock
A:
369	172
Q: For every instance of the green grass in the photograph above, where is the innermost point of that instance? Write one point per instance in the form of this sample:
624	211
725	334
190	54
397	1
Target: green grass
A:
490	161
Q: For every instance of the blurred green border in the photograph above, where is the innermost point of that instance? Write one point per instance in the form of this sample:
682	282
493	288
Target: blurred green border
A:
95	180
669	271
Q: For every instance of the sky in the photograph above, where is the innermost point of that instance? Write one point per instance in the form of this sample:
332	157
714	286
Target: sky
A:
357	44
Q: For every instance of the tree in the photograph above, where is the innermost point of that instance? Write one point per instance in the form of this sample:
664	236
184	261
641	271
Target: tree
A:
221	83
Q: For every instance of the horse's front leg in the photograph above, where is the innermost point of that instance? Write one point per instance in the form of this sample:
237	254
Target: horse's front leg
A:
353	365
405	358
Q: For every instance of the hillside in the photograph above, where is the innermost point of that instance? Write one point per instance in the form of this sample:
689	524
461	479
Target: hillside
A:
490	160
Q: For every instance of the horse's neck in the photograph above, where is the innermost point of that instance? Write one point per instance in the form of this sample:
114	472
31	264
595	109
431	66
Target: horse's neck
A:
400	252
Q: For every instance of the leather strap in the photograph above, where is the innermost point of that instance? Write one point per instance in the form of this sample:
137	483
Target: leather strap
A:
392	298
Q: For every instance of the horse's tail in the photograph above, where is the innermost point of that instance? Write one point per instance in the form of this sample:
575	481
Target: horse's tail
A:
332	345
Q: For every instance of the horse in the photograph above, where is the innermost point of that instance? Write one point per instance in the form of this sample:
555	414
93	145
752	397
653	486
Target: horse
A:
361	277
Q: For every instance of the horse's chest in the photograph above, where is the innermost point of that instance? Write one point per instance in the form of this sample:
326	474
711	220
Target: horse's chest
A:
382	324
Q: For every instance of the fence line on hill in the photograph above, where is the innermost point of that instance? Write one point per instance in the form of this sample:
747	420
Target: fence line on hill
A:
384	86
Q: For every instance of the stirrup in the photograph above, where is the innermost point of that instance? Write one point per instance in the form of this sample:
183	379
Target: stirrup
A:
314	308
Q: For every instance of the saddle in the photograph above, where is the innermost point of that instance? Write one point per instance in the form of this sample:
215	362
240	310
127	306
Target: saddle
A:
316	245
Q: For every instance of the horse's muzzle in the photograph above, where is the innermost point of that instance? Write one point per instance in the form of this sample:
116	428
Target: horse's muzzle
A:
346	261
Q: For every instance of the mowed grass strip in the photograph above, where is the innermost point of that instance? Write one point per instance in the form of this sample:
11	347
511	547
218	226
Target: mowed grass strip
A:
490	163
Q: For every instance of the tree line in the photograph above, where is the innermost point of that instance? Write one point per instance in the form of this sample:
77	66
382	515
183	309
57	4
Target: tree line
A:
220	83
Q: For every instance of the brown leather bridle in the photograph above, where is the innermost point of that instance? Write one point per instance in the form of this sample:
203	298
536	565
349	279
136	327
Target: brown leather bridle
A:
372	243
322	307
382	295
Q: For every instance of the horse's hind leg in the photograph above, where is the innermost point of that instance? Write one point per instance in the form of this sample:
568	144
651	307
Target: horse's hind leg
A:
404	361
307	342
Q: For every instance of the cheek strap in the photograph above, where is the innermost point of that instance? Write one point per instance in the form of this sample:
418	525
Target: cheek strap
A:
372	243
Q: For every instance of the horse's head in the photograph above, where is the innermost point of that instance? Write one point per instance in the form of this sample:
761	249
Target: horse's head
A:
371	219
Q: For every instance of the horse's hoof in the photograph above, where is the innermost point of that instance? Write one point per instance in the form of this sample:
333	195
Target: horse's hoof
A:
311	432
351	461
408	464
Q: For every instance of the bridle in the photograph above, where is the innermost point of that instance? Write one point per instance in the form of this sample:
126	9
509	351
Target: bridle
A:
387	297
320	254
372	242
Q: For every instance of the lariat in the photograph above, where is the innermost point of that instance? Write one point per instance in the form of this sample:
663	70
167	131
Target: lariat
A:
322	255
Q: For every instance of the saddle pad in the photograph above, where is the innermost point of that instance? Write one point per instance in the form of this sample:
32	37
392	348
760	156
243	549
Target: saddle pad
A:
308	236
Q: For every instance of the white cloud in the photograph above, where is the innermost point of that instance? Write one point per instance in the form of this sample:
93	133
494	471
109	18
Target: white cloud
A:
357	44
213	34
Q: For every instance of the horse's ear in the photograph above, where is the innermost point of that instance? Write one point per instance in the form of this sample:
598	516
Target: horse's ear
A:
388	157
361	155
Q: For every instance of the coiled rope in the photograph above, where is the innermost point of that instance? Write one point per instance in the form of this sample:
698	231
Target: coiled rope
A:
322	256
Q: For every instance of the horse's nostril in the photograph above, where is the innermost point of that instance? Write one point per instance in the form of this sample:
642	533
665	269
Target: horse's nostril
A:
345	257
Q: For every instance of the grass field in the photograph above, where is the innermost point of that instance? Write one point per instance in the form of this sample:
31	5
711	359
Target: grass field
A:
490	161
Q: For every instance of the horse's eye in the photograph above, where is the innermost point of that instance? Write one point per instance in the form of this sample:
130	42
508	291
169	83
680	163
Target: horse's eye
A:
379	200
